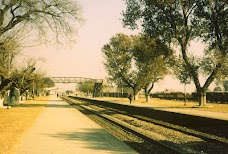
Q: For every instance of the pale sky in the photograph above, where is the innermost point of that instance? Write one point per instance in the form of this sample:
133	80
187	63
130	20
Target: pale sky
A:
84	58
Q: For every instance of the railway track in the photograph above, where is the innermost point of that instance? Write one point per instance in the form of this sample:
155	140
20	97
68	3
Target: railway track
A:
204	136
137	126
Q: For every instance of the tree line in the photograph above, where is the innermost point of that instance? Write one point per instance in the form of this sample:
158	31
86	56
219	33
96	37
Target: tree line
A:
25	23
142	60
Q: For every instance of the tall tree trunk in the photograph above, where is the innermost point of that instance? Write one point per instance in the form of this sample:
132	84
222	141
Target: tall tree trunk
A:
202	97
193	72
147	90
200	100
147	95
135	93
147	98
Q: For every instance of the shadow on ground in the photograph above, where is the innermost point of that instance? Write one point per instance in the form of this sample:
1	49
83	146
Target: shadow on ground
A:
51	105
90	140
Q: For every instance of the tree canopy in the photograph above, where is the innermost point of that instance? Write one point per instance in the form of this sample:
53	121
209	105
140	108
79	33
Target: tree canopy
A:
41	15
40	20
86	87
136	61
225	85
151	58
178	22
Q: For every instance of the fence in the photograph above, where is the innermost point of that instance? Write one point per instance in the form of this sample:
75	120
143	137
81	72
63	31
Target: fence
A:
115	94
212	97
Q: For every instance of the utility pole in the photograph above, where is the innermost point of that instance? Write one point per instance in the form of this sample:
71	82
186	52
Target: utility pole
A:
184	94
33	95
33	91
9	67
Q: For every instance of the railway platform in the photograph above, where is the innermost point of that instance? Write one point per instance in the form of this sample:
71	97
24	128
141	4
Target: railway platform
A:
61	129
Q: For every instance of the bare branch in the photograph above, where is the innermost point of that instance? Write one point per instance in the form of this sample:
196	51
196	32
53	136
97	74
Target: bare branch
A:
56	14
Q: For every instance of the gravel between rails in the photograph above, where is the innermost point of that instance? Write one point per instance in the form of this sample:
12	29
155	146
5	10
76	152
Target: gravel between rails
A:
130	139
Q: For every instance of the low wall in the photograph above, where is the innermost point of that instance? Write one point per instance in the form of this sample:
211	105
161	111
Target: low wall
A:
212	97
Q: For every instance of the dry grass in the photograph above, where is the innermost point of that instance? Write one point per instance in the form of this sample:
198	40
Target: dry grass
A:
173	104
14	121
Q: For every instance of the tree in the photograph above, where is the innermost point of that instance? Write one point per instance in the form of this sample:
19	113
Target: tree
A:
213	16
26	78
38	18
9	49
86	87
136	61
151	58
47	82
57	15
178	22
68	92
225	85
119	63
23	75
23	78
218	88
41	82
181	72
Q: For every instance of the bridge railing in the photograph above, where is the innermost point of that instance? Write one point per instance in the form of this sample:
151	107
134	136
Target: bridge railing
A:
74	80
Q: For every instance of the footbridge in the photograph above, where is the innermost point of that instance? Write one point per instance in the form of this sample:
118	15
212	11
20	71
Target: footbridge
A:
97	89
74	80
